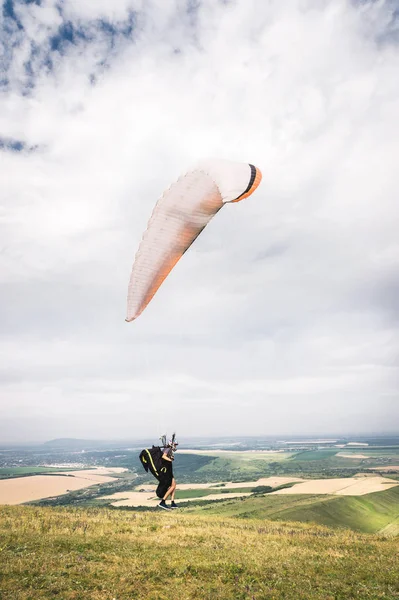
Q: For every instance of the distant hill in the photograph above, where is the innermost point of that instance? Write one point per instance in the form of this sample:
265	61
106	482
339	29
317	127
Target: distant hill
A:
100	553
78	444
69	444
372	513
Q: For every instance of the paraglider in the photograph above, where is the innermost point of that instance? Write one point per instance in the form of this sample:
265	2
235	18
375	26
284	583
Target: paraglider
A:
178	218
158	461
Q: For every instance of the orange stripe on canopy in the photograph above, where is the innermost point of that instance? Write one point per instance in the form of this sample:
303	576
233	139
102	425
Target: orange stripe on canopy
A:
178	218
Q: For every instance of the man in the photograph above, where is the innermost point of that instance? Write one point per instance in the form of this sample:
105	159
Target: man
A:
167	482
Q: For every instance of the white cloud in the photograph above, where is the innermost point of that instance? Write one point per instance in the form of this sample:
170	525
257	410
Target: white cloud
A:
291	292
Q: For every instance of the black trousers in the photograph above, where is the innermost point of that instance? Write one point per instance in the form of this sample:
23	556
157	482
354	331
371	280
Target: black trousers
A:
165	482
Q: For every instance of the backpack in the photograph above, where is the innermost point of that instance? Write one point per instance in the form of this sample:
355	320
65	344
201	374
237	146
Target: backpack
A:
150	458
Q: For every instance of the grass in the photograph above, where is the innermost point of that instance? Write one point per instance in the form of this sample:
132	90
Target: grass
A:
249	466
238	466
12	472
329	458
371	513
391	452
101	554
199	493
316	454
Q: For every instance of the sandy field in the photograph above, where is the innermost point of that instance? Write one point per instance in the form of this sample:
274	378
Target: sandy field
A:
389	468
37	487
343	455
148	497
96	474
355	486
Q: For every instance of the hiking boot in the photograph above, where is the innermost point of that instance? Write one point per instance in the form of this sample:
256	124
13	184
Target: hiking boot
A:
174	505
163	504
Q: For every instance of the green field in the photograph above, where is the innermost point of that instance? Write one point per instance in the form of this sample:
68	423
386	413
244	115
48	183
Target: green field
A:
233	466
316	454
12	472
248	466
371	513
100	554
389	455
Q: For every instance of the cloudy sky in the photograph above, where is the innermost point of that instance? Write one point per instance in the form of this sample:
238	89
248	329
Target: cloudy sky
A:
284	316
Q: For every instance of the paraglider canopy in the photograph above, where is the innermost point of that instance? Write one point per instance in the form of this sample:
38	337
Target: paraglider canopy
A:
179	216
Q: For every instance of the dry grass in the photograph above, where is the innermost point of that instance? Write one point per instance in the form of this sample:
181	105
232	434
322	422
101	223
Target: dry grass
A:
102	554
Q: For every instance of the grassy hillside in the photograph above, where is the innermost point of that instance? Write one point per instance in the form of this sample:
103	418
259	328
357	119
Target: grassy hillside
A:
370	513
100	554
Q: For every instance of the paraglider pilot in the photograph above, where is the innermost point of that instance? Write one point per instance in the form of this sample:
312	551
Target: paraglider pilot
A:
167	482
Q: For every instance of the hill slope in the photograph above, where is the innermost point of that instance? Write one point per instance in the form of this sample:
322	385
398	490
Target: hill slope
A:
101	554
370	513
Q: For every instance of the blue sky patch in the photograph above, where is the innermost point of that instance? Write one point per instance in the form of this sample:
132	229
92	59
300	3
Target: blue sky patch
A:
12	145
